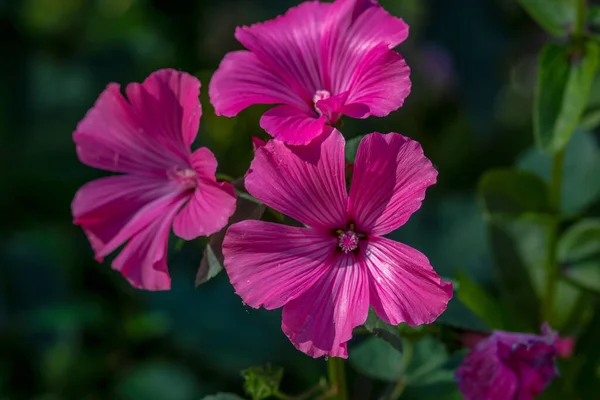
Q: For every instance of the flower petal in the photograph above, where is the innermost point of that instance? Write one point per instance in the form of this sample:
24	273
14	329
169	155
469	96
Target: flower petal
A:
306	183
403	285
320	321
271	264
243	80
389	180
353	29
147	135
290	46
207	211
113	209
143	260
292	126
380	82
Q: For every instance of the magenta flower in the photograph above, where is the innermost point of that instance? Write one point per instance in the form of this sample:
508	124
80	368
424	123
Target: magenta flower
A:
319	61
509	366
148	138
327	275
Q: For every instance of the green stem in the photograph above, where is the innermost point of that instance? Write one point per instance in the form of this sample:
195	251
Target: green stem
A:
407	353
337	377
579	28
552	267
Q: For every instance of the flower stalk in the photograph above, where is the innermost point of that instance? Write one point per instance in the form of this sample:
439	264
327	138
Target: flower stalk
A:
337	377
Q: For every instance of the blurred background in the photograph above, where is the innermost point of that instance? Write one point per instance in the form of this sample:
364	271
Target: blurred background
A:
71	328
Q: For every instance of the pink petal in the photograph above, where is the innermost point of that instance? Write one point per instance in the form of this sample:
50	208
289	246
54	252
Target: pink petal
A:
306	183
320	321
389	180
271	264
143	260
204	162
208	210
291	125
113	209
403	285
290	46
243	80
353	29
381	82
147	136
257	143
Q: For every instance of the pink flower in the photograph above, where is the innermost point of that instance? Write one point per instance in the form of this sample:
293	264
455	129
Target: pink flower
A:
565	346
327	275
509	366
148	138
319	61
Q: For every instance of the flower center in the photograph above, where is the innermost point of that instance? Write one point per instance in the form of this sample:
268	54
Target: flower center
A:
320	95
185	177
348	241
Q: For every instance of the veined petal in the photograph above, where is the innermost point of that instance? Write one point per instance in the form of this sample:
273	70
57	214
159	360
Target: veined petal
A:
147	135
353	28
207	211
380	82
403	285
143	260
291	125
320	321
389	180
243	80
306	183
204	162
271	264
290	46
111	210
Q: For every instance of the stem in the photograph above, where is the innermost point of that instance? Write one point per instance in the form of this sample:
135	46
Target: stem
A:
407	353
579	28
337	377
552	267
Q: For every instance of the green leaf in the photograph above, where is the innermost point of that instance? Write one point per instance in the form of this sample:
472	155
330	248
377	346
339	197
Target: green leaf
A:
593	16
478	300
377	359
352	148
555	16
580	183
590	121
511	192
385	331
223	396
458	315
158	381
429	356
565	77
579	252
262	382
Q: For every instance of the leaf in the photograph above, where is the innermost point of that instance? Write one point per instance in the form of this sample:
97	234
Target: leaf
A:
565	78
590	121
158	381
555	16
377	359
580	183
579	252
478	300
511	192
385	331
458	315
247	207
223	396
352	148
262	382
429	356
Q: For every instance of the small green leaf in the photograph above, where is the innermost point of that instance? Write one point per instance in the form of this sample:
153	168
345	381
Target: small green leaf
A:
478	300
352	148
555	16
458	315
387	332
223	396
377	359
579	252
262	382
590	121
429	356
565	77
511	192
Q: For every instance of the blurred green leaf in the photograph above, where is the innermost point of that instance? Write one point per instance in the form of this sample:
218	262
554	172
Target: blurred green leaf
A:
512	192
223	396
429	357
158	381
580	183
385	331
377	359
262	382
593	16
478	300
579	252
564	81
590	121
57	363
65	317
147	325
352	148
458	315
555	16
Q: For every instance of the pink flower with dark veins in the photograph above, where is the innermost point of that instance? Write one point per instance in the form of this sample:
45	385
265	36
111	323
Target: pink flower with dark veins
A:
147	138
326	275
318	62
509	366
